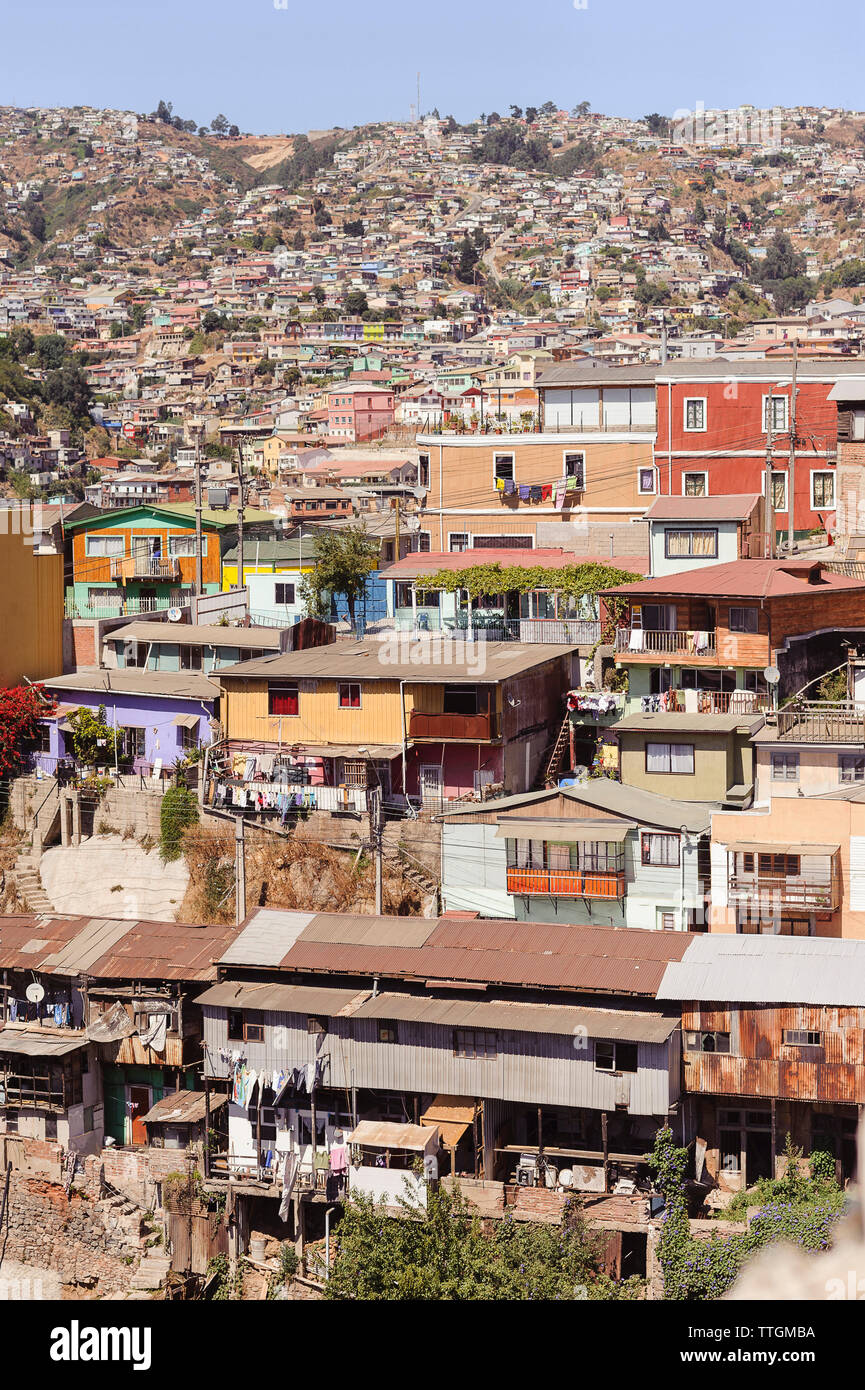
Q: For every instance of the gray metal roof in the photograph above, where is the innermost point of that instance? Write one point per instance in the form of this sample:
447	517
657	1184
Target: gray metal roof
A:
768	970
671	722
163	685
267	937
520	1018
633	804
390	658
198	634
292	999
38	1044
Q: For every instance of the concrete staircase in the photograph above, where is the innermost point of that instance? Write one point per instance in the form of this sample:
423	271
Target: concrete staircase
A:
28	882
152	1272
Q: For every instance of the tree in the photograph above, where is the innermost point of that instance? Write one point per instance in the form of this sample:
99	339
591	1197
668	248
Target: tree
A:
343	561
442	1253
93	739
469	258
21	709
658	125
68	387
531	114
50	350
582	108
549	108
516	112
318	294
219	124
298	243
163	112
356	302
353	228
233	131
179	810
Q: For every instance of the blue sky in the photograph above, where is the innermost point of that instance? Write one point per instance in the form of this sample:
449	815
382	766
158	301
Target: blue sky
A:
309	66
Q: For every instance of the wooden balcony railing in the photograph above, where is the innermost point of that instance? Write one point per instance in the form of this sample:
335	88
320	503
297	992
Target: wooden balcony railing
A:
823	721
568	883
482	727
820	893
639	640
144	567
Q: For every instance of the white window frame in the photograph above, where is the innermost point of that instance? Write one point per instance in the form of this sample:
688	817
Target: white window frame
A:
505	454
779	429
653	490
696	473
695	429
452	534
778	473
103	536
823	506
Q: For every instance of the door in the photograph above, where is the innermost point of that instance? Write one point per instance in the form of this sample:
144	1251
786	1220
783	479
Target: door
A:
139	1104
430	784
758	1155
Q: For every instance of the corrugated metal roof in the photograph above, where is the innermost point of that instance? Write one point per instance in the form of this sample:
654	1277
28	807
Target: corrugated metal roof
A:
182	1108
387	1134
768	970
113	949
600	792
669	721
520	1018
160	685
300	999
203	634
266	937
616	959
743	579
38	1044
382	659
734	507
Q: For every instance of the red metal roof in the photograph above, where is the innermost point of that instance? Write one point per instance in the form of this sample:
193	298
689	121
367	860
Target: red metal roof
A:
745	579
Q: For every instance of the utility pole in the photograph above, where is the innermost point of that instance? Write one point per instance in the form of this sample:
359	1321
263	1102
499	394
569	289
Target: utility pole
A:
199	574
791	481
240	504
375	827
239	871
396	545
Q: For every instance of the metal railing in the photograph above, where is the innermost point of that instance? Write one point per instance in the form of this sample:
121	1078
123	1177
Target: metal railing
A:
582	632
817	893
568	883
823	721
637	640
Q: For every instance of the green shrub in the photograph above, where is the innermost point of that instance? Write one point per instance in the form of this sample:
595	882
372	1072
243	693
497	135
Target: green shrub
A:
179	810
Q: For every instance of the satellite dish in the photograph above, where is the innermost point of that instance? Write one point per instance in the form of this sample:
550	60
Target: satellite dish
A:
174	615
35	993
771	675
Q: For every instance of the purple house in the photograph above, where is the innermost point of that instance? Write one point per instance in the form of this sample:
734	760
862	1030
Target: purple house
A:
162	715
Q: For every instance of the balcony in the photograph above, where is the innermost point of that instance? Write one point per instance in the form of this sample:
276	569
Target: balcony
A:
477	728
145	567
739	702
806	877
822	721
568	883
639	641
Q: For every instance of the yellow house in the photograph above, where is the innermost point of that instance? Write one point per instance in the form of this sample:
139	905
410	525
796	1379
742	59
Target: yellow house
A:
431	721
31	608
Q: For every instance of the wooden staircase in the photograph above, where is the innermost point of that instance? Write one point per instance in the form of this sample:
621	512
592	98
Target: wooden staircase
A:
554	754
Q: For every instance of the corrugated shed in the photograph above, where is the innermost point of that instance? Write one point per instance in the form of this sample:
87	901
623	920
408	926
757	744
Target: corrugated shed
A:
527	1018
111	948
299	999
266	937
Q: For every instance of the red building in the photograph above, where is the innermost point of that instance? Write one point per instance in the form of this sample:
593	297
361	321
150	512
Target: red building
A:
358	411
716	421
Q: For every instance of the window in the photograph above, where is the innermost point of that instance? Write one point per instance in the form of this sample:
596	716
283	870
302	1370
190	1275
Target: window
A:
253	1032
388	1033
822	491
51	1123
665	919
460	699
349	695
475	1043
645	480
730	1150
191	658
316	1024
283	699
11	1121
459	540
185	545
779	491
235	1025
707	1042
785	767
659	850
503	542
423	470
674	758
105	545
695	414
744	619
428	598
774	414
802	1037
575	467
780	865
852	767
189	738
503	468
615	1056
131	742
695	485
701	545
421	542
283	593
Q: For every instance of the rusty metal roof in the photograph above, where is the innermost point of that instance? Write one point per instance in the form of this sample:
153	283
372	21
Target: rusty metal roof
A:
182	1108
510	1016
559	956
115	949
